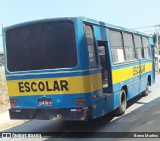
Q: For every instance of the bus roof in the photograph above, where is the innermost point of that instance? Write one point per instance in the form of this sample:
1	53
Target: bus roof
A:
100	23
112	26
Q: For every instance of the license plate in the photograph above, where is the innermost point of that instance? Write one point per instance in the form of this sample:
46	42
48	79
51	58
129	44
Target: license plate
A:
44	102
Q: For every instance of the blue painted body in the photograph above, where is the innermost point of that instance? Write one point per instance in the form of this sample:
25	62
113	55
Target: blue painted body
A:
101	103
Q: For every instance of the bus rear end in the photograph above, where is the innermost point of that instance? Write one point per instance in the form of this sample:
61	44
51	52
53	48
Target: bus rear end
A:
46	78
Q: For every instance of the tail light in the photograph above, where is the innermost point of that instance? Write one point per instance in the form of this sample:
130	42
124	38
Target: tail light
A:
80	101
13	102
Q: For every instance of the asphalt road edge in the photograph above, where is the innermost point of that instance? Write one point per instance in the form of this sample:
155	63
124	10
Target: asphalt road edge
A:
11	123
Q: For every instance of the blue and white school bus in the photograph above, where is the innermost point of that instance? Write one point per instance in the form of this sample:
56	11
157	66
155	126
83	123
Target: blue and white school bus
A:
75	68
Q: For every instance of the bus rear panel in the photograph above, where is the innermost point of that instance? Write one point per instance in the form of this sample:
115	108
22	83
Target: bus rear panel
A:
46	78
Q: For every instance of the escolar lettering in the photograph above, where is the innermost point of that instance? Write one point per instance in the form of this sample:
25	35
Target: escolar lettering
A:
61	85
138	69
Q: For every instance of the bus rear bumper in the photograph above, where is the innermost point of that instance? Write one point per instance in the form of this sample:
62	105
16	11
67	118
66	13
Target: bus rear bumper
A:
51	114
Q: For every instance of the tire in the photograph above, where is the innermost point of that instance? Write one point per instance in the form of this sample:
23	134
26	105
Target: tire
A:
146	91
123	104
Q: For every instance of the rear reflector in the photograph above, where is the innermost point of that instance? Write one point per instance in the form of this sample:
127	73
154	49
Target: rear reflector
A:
13	102
78	110
14	111
75	110
80	101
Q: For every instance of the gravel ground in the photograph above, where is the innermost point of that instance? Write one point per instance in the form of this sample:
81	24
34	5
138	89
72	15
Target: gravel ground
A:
4	101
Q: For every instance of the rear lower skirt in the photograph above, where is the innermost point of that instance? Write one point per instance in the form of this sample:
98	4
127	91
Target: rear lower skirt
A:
51	114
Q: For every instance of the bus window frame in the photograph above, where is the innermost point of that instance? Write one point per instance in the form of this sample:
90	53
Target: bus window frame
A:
142	49
146	48
135	58
121	32
95	47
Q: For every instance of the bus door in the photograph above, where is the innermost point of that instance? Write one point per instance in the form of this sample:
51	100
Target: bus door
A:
104	61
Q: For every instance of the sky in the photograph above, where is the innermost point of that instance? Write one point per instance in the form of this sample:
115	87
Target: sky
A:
125	13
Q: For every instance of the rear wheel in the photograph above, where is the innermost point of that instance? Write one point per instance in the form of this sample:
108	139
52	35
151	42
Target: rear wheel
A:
123	103
146	92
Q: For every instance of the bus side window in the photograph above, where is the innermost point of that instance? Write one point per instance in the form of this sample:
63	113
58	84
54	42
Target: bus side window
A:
138	46
146	47
91	45
117	46
129	46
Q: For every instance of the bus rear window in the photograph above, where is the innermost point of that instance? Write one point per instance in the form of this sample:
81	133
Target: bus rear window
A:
45	45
